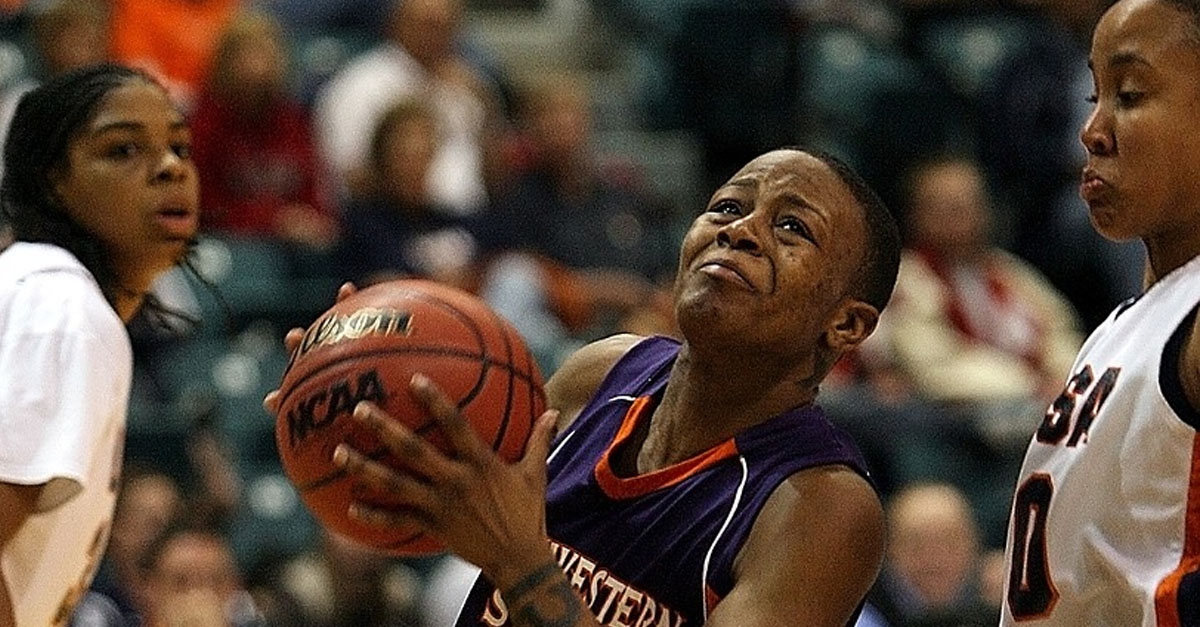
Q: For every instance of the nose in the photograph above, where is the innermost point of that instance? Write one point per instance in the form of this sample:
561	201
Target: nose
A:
739	235
171	167
1096	134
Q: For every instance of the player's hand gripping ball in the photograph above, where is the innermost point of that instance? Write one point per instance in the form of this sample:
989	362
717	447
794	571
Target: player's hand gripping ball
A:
367	348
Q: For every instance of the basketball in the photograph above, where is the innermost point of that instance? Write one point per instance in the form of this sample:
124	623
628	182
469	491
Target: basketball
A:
368	347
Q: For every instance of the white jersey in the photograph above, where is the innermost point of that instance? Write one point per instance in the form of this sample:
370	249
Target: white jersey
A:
1105	527
65	371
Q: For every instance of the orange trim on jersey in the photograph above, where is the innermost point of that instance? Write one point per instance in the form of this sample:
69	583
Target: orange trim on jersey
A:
1166	604
711	599
625	488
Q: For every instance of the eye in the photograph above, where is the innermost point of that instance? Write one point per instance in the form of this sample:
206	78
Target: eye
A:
1093	99
795	225
1129	98
183	150
123	150
726	207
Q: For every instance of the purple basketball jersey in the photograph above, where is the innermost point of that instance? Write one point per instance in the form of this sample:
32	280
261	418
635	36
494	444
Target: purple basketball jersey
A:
658	549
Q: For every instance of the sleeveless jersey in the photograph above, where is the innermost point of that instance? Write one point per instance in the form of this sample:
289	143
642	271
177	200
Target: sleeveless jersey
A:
657	549
1105	526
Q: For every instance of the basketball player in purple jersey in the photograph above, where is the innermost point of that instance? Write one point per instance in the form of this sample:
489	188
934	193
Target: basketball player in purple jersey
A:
690	483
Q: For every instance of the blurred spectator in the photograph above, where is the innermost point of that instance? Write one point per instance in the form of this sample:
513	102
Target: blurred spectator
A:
173	40
395	228
66	34
570	205
1029	136
342	584
419	58
592	242
260	175
1020	68
192	581
969	324
931	572
148	503
968	355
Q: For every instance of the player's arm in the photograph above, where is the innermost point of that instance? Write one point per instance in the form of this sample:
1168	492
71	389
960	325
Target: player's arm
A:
580	375
813	552
16	505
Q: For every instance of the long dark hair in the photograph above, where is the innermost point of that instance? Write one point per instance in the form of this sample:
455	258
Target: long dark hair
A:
47	119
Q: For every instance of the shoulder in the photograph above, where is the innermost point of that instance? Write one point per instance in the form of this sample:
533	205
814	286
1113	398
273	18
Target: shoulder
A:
44	289
849	507
813	552
580	375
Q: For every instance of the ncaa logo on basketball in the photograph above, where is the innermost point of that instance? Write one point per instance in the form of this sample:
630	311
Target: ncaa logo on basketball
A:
322	407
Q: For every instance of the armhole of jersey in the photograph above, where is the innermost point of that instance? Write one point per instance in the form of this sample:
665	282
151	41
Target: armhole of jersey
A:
1168	373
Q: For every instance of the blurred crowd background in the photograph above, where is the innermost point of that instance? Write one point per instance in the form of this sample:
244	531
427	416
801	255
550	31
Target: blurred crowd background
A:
548	155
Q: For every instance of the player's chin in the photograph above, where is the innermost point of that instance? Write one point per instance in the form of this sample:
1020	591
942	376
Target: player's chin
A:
1111	222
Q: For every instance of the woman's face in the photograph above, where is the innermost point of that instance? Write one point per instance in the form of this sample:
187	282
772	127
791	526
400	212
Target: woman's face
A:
1143	135
129	179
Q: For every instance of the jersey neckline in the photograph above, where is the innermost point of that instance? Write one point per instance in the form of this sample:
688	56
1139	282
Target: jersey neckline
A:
617	487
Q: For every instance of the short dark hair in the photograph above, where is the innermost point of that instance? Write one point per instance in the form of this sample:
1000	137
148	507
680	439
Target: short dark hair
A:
47	119
1189	6
881	257
1192	9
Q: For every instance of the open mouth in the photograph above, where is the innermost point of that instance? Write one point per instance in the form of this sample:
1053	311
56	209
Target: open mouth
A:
176	221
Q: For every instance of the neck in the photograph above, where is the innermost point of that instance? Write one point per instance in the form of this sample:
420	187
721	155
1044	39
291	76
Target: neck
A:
708	401
127	303
129	294
1168	252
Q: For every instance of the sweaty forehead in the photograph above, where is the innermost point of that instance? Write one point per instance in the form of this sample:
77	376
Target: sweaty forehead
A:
787	169
795	172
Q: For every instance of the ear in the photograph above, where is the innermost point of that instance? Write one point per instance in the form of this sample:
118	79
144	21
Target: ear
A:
852	323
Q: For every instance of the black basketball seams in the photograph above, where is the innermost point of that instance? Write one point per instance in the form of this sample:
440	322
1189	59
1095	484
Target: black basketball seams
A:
502	429
456	337
321	482
429	425
437	351
325	480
